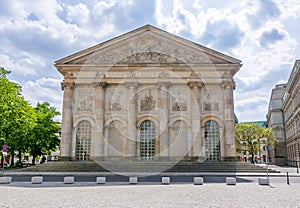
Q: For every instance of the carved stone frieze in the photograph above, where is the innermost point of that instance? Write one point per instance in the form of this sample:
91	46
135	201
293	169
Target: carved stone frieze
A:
179	100
85	100
147	99
115	99
211	99
147	48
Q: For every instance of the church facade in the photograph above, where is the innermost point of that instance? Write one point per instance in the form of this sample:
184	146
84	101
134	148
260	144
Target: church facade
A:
148	95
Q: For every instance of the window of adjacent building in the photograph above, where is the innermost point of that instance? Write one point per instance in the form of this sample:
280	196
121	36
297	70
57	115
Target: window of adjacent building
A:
212	141
147	145
83	140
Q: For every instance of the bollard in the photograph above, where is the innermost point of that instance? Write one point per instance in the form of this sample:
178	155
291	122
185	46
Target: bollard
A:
287	178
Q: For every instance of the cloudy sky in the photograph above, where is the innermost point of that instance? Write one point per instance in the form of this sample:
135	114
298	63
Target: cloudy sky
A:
264	34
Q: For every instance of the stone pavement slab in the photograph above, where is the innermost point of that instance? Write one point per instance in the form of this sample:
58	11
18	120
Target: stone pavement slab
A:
183	195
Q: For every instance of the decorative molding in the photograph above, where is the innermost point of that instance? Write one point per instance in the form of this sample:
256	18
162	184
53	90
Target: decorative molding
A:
67	85
195	84
163	84
131	84
100	84
69	75
228	84
228	74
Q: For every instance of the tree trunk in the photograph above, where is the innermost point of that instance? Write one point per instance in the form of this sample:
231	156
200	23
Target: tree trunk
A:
33	159
12	153
252	159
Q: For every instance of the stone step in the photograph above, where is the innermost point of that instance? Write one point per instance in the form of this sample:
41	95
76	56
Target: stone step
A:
144	166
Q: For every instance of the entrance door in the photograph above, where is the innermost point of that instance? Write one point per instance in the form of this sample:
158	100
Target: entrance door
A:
212	141
147	145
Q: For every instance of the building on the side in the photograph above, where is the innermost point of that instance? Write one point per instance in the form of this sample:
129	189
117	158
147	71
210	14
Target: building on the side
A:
276	123
148	95
291	111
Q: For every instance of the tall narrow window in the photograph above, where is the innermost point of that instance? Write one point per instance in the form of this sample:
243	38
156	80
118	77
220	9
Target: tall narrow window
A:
147	145
83	140
212	141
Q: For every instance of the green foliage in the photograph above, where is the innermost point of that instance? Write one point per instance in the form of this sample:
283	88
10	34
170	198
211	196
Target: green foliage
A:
45	134
250	136
17	117
22	127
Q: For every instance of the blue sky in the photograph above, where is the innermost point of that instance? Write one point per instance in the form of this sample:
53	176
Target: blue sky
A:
264	34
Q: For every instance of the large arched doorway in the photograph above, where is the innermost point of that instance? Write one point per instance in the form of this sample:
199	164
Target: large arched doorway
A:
212	141
147	142
83	140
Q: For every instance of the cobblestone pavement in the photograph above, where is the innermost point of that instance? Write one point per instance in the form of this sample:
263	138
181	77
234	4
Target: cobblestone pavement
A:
155	195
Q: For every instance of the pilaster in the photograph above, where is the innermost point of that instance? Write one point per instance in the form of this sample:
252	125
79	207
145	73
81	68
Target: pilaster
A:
67	121
195	144
230	149
164	118
98	142
132	109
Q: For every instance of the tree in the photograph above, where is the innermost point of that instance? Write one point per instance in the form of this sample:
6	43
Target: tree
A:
17	117
44	137
250	136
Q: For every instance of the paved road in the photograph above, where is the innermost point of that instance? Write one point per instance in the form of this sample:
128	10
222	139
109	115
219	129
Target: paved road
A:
86	194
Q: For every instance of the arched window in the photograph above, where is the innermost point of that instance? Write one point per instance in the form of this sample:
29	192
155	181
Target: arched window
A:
147	144
83	140
212	141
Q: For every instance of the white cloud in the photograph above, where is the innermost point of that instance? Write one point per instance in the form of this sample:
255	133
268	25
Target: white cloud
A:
78	14
33	34
42	90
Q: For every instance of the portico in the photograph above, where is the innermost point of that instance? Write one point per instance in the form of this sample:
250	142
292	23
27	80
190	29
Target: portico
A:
148	95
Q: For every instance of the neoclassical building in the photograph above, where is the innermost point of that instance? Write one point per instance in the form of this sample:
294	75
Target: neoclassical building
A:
291	111
148	95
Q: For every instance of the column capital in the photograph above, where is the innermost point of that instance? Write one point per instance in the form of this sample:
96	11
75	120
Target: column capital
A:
195	84
131	84
228	84
66	85
99	84
163	84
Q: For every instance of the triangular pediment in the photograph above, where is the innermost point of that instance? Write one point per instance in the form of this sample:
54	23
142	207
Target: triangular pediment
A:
146	45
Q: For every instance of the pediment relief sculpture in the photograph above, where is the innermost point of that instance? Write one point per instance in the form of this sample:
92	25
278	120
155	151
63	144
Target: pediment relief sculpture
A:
147	48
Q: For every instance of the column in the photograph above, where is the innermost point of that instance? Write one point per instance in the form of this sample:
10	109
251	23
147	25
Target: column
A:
98	142
164	120
230	150
195	144
67	121
132	128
